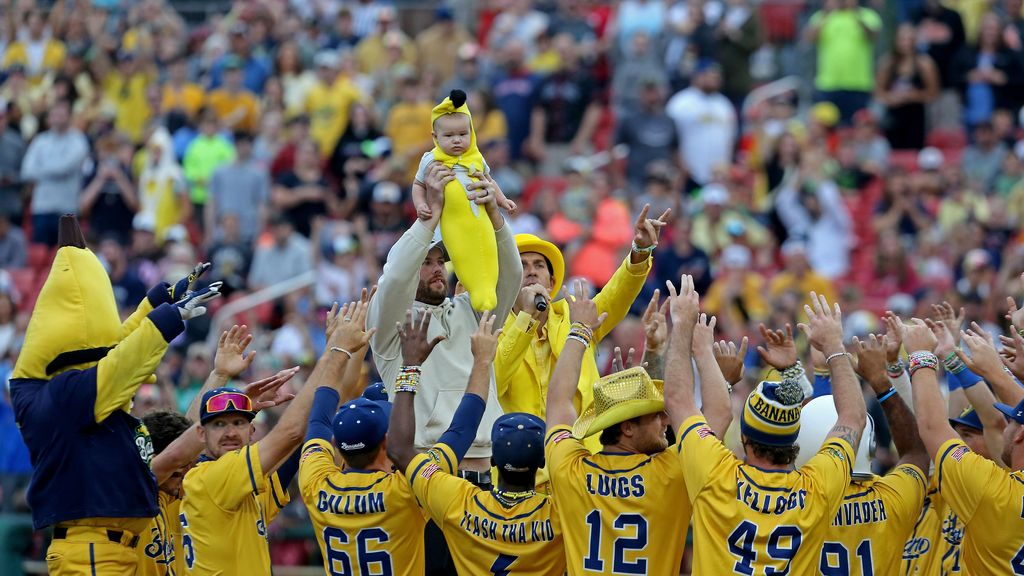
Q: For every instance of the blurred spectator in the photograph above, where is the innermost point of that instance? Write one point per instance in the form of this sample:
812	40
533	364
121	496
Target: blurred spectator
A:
871	148
706	122
738	35
236	107
124	88
13	247
983	158
37	50
408	126
296	80
989	74
386	218
906	82
900	209
639	16
370	51
344	263
240	190
736	296
110	200
53	163
163	192
12	152
303	194
231	253
639	64
207	152
438	46
329	102
797	277
845	34
297	131
470	73
680	257
286	257
650	134
178	92
198	365
514	90
940	33
893	270
517	23
657	191
606	236
343	36
255	67
717	222
128	287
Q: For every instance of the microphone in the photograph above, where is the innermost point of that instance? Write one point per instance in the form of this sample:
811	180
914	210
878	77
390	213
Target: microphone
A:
540	302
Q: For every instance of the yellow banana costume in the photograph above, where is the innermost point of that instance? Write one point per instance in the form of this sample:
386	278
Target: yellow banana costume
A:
465	227
71	391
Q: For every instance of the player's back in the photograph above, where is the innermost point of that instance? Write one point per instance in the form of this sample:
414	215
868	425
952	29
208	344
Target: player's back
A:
871	527
620	513
366	522
933	546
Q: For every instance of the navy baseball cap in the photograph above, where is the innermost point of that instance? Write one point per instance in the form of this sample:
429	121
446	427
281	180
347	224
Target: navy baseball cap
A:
969	417
376	392
518	442
360	424
1015	413
220	401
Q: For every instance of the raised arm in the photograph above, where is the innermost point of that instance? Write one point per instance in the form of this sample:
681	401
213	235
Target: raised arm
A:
984	361
346	337
566	376
932	420
871	367
731	360
684	308
714	390
824	329
655	321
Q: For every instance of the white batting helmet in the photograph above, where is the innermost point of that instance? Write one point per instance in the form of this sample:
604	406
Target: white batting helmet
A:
816	420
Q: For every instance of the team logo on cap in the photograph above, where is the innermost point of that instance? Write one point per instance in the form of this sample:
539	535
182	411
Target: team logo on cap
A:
347	446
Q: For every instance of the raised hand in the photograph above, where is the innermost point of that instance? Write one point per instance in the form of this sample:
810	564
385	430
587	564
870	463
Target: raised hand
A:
413	334
582	308
193	304
824	327
704	333
1013	314
945	342
684	306
893	337
334	315
779	350
871	361
984	360
646	230
730	359
918	337
1013	354
947	315
183	287
656	324
231	359
349	332
617	364
484	342
268	392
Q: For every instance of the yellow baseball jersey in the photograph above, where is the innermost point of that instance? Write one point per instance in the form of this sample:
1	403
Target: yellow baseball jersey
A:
752	521
485	537
228	504
868	533
366	522
990	502
619	513
156	547
934	545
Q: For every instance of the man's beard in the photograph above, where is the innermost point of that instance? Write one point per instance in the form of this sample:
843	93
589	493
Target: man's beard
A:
426	294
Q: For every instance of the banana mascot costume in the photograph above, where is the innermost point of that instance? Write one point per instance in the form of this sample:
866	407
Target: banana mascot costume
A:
465	227
71	391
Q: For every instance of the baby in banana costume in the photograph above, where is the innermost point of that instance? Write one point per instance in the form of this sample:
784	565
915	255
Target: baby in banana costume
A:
465	227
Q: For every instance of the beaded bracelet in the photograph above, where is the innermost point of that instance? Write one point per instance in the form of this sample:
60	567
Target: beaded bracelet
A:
894	369
646	250
953	363
794	372
579	339
831	357
922	359
886	395
581	327
408	379
342	350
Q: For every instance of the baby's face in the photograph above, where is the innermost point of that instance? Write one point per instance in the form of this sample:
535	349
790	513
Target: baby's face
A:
452	133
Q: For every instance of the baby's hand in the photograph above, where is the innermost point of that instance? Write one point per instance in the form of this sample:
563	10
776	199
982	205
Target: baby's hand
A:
423	211
507	204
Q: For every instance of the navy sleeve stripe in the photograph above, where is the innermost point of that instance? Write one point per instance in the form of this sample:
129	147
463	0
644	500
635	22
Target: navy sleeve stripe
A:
273	492
687	431
248	461
168	321
942	460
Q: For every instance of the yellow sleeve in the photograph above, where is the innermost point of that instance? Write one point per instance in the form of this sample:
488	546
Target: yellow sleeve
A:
830	469
513	344
700	452
904	489
135	320
121	372
562	451
274	499
315	464
965	479
232	478
619	293
436	489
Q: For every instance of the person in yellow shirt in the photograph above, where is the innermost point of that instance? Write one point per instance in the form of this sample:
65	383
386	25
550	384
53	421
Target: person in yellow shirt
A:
509	529
180	94
798	277
757	515
125	89
737	294
406	125
370	51
40	53
988	499
237	489
330	101
156	547
236	107
534	332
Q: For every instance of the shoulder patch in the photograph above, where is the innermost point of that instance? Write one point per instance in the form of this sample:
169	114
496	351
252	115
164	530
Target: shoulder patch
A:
704	432
835	453
913	473
429	470
563	435
959	452
310	451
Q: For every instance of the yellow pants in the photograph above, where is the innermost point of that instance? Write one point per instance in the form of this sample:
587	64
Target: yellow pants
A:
87	551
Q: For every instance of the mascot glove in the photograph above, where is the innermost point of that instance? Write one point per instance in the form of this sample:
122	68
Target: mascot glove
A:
183	287
193	304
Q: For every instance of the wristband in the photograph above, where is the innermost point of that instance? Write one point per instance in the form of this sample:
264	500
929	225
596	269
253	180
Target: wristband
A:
831	357
953	363
579	339
408	379
646	250
922	359
342	350
894	369
886	395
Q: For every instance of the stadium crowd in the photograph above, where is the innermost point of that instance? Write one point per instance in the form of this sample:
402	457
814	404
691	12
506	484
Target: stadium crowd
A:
868	153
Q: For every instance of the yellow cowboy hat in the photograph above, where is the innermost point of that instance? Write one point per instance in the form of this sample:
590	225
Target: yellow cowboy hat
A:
531	243
619	397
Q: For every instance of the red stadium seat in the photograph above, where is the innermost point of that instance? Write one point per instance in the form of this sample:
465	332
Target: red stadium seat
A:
947	139
906	159
40	256
537	184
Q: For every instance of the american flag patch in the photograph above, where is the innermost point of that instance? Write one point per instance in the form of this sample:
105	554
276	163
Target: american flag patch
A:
561	436
704	432
310	451
959	452
429	470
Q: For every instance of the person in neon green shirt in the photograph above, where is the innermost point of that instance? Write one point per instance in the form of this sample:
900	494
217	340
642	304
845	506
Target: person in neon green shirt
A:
845	34
206	153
